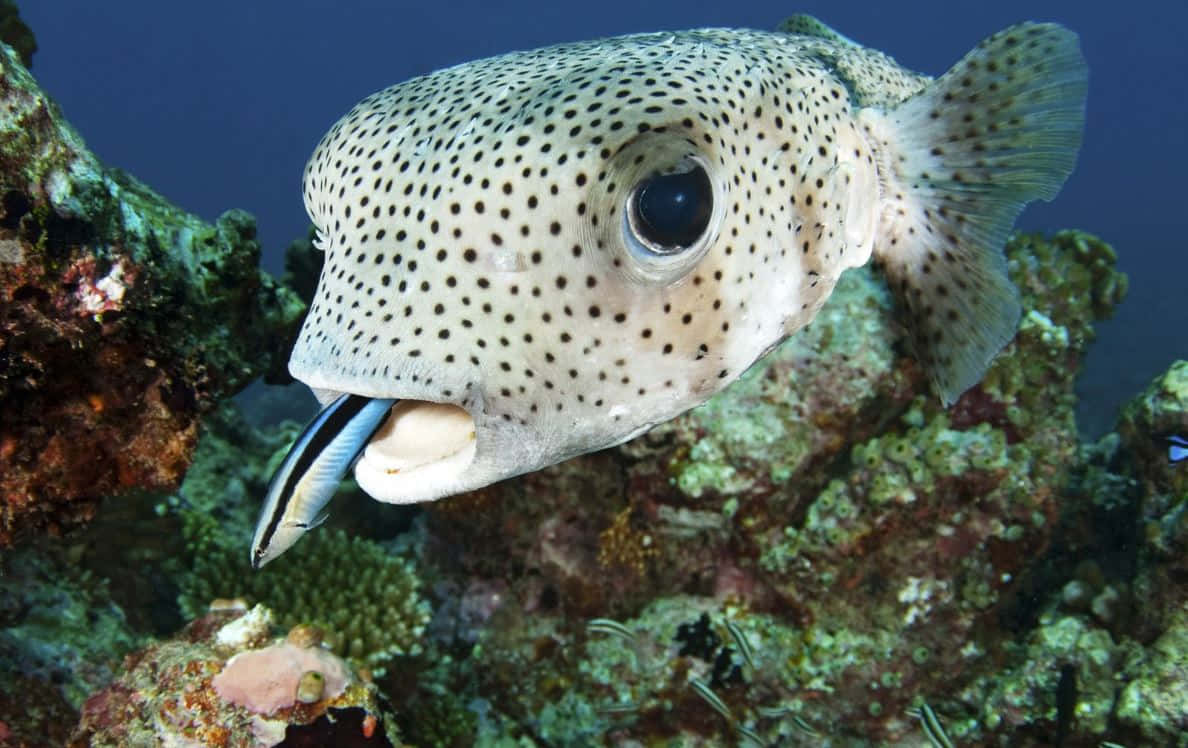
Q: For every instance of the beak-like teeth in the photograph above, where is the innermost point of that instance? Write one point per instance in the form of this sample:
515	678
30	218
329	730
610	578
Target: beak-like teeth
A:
312	470
420	452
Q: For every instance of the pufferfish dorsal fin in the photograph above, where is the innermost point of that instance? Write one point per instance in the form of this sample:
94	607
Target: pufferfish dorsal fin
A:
806	25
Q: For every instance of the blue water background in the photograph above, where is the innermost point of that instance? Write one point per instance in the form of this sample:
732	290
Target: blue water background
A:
218	104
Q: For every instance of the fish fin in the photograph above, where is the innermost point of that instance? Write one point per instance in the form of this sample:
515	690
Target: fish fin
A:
313	523
957	164
806	25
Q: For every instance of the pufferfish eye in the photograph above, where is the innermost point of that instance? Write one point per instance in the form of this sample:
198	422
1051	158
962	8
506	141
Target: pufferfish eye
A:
668	213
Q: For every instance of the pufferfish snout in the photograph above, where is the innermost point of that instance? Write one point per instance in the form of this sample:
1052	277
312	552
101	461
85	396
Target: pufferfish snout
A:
549	252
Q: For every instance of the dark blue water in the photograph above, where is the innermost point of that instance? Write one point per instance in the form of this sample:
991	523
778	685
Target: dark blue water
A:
218	104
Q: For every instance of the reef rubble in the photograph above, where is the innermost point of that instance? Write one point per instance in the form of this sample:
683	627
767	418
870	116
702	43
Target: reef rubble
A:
123	319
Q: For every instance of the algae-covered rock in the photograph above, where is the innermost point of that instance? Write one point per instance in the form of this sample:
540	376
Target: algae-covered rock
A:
1155	700
1159	412
1161	519
122	320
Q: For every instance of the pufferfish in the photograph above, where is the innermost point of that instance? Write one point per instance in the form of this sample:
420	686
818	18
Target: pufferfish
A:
549	252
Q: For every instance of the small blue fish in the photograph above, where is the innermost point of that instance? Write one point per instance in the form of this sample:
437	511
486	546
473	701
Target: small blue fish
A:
1177	450
312	470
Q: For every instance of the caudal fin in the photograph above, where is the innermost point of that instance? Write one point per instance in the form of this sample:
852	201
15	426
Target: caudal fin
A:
958	162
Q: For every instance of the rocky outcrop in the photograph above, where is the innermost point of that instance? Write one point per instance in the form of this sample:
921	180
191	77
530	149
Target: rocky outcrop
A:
122	320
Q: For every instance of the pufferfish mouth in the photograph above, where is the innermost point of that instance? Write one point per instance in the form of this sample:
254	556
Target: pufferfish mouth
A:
406	450
419	444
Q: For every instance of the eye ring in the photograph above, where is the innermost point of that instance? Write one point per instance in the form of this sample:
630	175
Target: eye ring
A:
669	212
629	254
663	262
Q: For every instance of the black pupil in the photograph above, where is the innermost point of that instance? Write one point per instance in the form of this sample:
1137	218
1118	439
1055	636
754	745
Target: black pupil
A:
672	210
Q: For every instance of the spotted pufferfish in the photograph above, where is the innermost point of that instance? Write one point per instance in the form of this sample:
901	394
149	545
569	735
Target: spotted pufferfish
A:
549	252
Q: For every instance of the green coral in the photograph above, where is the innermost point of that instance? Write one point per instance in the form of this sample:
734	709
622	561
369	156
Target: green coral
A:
895	468
1024	690
1067	281
1154	699
438	714
1071	275
365	598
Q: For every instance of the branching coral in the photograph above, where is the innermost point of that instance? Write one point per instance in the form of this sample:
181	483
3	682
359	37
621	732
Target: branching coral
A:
365	599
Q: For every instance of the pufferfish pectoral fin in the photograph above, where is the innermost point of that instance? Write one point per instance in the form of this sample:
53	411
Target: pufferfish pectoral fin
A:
958	162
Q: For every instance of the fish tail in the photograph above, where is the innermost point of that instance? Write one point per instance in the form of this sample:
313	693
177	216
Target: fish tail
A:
957	163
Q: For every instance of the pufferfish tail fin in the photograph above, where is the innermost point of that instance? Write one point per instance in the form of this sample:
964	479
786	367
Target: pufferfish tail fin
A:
957	163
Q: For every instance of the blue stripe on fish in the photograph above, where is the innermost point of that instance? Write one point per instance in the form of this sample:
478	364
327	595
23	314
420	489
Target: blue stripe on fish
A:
312	470
1177	450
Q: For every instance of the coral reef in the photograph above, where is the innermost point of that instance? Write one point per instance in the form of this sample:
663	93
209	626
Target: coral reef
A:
819	554
876	552
1154	697
57	623
231	467
122	320
33	713
61	637
365	597
223	682
1146	422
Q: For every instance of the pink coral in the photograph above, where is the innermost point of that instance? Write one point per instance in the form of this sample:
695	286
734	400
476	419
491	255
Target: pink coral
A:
94	295
265	680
